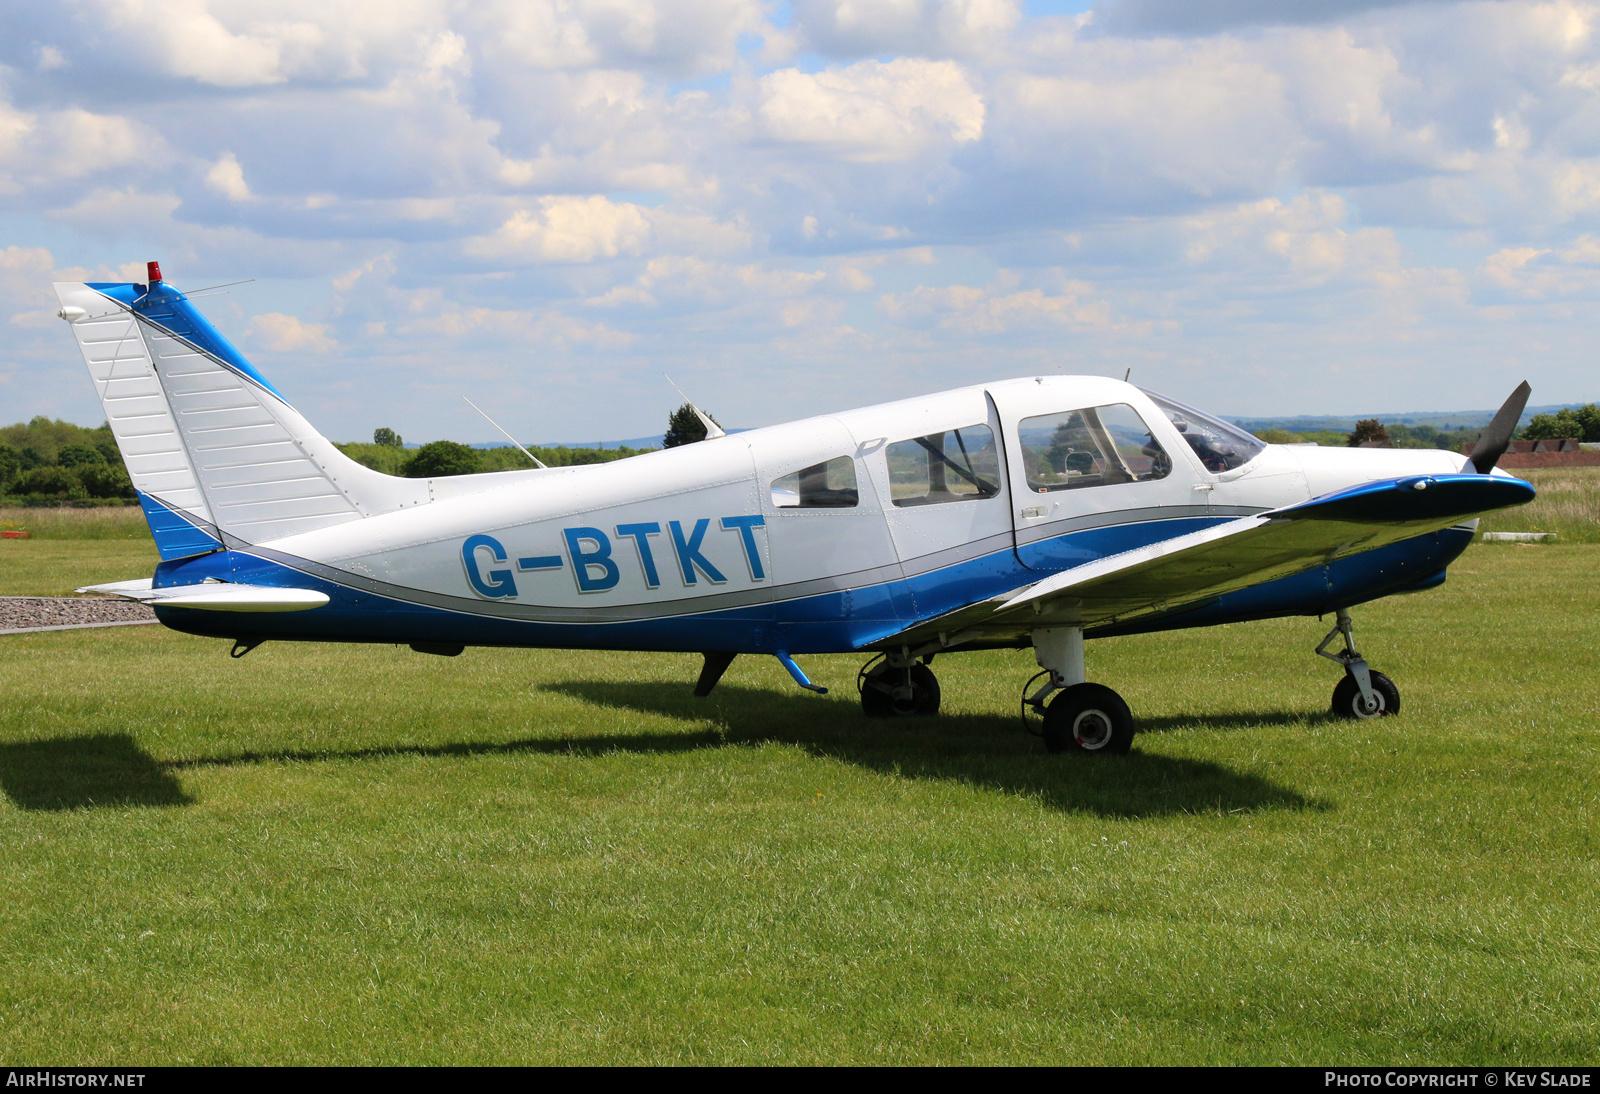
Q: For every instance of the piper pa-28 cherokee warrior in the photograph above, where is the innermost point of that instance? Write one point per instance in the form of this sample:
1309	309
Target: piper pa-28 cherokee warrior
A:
1030	512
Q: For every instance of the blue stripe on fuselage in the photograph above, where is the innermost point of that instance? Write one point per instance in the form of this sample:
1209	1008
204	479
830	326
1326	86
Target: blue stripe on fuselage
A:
832	622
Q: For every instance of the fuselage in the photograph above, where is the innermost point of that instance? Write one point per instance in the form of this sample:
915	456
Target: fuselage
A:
830	534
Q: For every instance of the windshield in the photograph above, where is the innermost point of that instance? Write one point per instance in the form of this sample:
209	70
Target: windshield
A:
1220	446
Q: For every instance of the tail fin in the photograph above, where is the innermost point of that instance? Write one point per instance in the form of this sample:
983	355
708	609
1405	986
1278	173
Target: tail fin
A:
214	451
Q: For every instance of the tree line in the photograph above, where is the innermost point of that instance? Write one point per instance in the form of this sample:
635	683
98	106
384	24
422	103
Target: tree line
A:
52	462
1576	423
387	453
1374	430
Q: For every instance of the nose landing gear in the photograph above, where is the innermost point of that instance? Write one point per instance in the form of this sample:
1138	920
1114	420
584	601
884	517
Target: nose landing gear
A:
1363	693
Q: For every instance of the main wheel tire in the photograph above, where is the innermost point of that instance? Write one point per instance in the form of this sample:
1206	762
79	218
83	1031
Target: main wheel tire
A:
1347	697
1088	718
900	693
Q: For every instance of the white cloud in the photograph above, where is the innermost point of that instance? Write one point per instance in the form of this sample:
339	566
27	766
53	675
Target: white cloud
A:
524	325
226	177
1186	17
854	278
930	27
116	212
872	112
690	278
566	229
1200	124
1307	238
188	40
39	150
685	37
1541	274
288	334
25	277
998	308
258	43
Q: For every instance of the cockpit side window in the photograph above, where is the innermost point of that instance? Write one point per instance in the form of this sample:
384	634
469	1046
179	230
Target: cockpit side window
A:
827	485
955	465
1097	446
1220	446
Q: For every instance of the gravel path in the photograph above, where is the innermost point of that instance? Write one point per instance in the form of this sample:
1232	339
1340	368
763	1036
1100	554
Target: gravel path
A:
23	613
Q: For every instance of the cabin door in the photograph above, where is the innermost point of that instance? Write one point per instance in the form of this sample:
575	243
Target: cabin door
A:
1090	480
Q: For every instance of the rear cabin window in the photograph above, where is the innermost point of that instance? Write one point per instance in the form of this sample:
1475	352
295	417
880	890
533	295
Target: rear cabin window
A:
1098	446
955	465
827	485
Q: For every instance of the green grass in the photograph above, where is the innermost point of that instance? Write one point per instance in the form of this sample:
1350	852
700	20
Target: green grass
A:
55	567
70	548
1568	504
347	854
98	524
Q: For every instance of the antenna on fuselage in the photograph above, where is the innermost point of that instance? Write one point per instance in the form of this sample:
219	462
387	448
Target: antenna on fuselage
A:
1127	374
503	433
712	428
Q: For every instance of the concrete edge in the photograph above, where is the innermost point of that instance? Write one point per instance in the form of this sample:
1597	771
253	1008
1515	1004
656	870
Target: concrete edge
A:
79	626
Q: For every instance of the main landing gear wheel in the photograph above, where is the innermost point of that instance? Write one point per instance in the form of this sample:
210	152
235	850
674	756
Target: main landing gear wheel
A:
1088	718
889	692
1347	701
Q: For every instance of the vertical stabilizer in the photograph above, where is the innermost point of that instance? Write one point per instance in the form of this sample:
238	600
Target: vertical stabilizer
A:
214	451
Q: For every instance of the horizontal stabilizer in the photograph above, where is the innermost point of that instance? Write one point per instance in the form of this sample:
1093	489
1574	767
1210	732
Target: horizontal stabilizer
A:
214	596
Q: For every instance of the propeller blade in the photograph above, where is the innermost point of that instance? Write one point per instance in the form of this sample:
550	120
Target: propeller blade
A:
1493	441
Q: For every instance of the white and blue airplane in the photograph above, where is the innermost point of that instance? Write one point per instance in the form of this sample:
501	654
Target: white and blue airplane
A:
1029	512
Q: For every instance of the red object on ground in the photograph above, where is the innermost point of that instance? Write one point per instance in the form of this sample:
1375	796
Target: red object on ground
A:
154	269
1515	461
15	535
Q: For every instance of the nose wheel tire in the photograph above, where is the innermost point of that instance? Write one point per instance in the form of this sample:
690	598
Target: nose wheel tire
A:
1347	698
1088	718
888	692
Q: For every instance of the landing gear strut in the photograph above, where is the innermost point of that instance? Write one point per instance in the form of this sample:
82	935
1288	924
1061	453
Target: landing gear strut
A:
1363	693
897	685
1083	717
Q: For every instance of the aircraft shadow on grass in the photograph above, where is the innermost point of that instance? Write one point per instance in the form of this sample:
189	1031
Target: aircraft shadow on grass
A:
105	770
981	750
112	771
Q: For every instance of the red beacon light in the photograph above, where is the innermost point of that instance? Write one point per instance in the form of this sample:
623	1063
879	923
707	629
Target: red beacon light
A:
154	269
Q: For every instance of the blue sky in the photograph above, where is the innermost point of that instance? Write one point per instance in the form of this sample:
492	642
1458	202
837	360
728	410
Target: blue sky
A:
1331	206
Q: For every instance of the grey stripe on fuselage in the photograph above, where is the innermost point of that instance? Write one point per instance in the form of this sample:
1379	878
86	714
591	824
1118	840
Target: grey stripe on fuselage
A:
1052	529
714	602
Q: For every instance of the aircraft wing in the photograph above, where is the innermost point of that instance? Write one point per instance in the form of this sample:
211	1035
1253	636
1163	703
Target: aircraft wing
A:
1189	570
